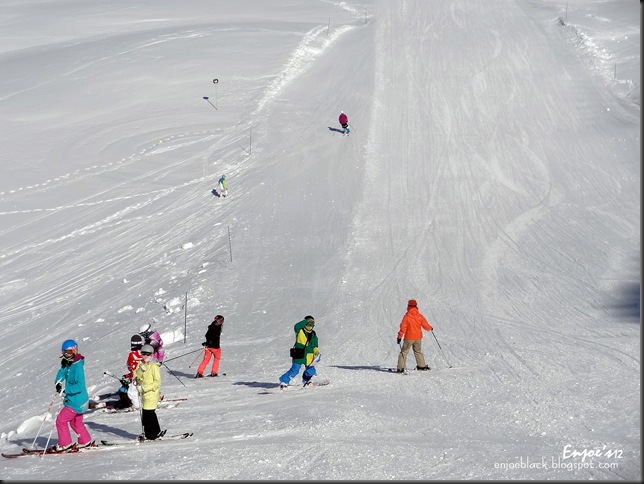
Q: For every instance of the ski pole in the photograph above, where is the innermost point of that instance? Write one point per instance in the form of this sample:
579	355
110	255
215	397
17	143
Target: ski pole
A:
439	347
193	362
109	373
185	354
139	390
174	375
53	422
56	394
400	345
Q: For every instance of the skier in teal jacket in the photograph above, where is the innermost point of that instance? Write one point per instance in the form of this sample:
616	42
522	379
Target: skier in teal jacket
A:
76	402
306	349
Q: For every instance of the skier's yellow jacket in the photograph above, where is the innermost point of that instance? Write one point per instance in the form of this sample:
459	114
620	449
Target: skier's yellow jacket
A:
148	376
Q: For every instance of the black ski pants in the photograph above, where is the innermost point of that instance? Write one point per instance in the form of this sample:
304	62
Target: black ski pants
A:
150	424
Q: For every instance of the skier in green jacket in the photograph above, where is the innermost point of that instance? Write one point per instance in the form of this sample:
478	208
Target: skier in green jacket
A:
303	352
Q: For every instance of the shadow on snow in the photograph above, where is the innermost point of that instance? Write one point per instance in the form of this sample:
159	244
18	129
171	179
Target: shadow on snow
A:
361	367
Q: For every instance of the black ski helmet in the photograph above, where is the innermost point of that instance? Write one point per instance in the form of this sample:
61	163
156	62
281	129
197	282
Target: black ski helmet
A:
136	341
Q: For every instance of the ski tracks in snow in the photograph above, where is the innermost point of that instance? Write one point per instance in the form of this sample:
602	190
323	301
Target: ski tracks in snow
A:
170	143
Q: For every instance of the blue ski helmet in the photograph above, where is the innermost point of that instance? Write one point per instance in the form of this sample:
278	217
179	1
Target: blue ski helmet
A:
67	344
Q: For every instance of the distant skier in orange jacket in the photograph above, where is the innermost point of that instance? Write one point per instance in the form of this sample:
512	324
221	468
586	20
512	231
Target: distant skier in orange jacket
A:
411	329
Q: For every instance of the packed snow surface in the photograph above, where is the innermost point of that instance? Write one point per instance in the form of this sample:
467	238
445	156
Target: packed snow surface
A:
492	173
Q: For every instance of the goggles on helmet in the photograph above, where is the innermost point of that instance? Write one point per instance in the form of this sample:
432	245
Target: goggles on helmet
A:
69	354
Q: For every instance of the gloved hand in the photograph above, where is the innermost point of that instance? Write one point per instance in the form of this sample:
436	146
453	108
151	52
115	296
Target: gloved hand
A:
316	351
204	344
125	382
397	340
64	363
59	388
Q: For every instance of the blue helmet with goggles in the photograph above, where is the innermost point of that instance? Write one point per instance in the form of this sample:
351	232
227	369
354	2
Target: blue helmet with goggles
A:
68	345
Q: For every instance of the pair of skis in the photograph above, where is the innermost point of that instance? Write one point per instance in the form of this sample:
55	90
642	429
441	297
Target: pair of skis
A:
405	372
281	389
310	384
163	438
41	452
104	443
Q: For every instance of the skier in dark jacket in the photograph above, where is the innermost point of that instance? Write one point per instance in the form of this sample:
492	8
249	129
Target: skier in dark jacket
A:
212	347
305	349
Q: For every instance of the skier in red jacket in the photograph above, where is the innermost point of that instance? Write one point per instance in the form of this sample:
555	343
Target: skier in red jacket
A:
128	393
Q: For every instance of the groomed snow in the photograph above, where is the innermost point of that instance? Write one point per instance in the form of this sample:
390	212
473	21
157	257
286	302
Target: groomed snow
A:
492	173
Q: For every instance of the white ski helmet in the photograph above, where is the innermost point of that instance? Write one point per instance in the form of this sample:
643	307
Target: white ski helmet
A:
341	112
145	328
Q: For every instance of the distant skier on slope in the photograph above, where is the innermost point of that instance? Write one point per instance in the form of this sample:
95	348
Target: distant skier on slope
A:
411	328
344	122
223	186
